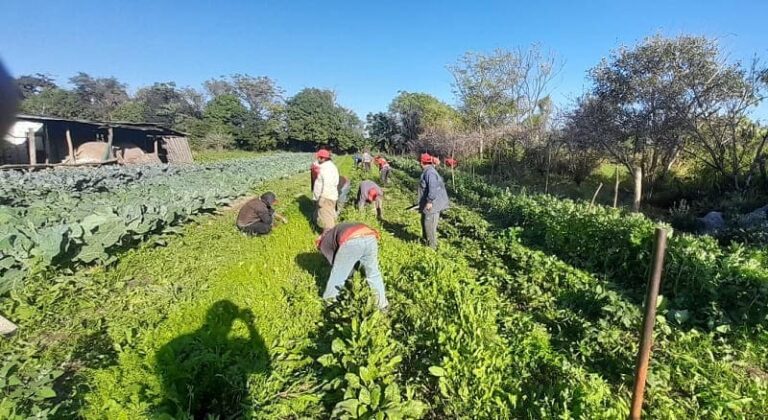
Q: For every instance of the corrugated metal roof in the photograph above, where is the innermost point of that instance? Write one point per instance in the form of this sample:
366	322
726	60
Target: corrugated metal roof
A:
104	124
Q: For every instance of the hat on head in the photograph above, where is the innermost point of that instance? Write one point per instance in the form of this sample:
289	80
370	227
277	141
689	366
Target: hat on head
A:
322	153
425	159
269	198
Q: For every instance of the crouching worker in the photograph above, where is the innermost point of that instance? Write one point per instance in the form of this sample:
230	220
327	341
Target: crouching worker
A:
369	192
257	215
344	246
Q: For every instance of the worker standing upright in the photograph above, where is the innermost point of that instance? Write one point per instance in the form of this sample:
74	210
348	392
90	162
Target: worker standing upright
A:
326	190
344	246
433	199
367	158
369	192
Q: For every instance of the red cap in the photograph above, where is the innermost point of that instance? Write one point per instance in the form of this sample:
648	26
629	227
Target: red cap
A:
372	194
322	153
425	159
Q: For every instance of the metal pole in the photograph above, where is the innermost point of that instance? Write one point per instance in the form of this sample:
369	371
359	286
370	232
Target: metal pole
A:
646	337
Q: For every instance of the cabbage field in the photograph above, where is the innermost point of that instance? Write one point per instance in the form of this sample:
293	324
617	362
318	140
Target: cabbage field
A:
530	308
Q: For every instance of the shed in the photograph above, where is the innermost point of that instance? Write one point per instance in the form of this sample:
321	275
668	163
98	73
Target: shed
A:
44	141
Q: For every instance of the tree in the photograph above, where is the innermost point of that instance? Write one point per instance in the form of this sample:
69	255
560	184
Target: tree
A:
648	102
131	111
54	102
259	93
34	84
98	96
722	137
504	88
431	113
384	132
165	104
313	117
225	114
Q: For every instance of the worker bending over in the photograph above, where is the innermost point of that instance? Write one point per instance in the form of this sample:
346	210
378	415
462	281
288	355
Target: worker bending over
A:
384	169
344	246
344	187
326	190
433	199
257	215
369	192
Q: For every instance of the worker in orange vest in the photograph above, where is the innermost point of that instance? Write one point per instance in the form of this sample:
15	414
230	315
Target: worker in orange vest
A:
344	246
384	169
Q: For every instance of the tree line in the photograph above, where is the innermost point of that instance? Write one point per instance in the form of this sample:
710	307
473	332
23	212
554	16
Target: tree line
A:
239	111
664	103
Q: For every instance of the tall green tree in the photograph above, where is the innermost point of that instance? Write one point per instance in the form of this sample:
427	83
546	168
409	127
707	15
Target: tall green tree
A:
99	96
384	132
55	103
430	112
314	118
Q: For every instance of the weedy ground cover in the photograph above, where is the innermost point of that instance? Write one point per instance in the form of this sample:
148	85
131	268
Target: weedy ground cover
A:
491	325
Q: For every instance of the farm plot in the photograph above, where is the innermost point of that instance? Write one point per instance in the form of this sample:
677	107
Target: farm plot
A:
60	218
485	327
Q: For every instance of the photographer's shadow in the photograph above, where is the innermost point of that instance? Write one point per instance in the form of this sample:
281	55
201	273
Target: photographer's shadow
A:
205	373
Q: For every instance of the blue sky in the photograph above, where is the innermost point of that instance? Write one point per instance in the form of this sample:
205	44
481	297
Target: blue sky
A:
366	51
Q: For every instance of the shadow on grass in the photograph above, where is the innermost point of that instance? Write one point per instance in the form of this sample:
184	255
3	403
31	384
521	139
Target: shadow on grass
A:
205	373
400	231
308	209
317	266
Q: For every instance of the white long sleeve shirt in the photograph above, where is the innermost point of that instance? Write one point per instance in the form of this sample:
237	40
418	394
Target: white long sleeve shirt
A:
327	183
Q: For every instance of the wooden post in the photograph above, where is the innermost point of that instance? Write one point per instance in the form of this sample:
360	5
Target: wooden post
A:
638	178
546	177
646	334
157	146
31	147
70	148
108	149
594	196
616	189
46	144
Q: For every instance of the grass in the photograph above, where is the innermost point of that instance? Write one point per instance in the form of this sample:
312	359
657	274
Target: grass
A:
214	322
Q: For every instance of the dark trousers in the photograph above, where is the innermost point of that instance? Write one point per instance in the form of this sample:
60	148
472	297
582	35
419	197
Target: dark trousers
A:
257	228
429	228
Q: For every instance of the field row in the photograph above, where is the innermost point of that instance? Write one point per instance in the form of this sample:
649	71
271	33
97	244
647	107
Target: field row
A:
62	218
491	325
